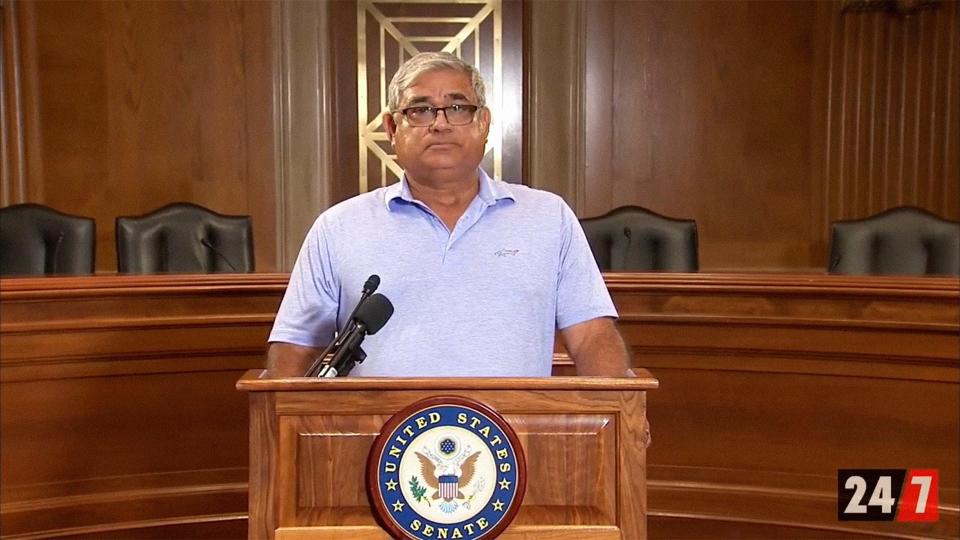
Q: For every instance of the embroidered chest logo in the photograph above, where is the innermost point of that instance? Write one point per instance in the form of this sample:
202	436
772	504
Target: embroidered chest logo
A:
452	469
506	252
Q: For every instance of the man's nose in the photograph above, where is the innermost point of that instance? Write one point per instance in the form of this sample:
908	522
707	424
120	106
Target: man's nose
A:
439	124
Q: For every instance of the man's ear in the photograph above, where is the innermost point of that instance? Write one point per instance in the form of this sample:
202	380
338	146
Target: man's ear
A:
390	125
485	121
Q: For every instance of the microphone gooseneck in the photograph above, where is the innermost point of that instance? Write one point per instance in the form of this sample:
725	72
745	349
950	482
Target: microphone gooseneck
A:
626	252
55	254
834	263
216	252
369	287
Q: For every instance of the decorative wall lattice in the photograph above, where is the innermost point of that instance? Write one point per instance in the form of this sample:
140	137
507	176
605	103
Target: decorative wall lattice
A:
391	31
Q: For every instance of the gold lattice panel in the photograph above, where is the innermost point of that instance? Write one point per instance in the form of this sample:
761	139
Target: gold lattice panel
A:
391	31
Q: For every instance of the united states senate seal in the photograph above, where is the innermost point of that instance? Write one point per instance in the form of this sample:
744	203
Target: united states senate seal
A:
446	467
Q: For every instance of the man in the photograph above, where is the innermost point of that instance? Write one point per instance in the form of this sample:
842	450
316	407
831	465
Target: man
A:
480	272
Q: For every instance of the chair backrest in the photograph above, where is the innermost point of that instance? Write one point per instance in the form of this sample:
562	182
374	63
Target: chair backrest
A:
37	240
631	238
905	240
184	238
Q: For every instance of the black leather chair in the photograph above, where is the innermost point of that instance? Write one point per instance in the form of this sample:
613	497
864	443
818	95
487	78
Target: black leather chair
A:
631	238
184	238
36	240
905	240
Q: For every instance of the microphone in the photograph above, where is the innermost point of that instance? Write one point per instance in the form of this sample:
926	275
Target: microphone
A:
368	288
626	252
834	263
369	319
56	253
216	251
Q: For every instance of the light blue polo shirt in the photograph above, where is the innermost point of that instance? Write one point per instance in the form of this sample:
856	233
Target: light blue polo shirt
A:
482	300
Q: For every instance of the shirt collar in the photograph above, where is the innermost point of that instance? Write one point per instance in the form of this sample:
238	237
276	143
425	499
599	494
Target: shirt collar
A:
490	191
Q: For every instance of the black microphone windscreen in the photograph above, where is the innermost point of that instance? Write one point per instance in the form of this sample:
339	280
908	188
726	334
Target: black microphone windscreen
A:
374	313
372	283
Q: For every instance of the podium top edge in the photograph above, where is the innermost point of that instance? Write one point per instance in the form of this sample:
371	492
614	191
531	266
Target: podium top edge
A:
260	380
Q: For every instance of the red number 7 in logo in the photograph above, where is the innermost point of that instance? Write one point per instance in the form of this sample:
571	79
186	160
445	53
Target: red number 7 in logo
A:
920	496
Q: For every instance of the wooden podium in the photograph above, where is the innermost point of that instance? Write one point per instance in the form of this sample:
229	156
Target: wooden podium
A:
584	439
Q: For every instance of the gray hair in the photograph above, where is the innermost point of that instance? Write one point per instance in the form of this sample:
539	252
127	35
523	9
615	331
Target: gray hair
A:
430	61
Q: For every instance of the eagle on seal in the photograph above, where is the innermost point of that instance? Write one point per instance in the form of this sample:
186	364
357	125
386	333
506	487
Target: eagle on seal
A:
429	471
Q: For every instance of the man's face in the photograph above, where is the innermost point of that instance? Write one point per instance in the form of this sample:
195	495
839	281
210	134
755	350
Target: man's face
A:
440	150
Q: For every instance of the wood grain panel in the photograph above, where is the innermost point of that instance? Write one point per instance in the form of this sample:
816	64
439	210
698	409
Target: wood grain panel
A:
555	100
800	428
585	433
263	427
324	487
118	413
305	170
889	137
763	121
764	396
581	443
119	390
12	178
131	105
574	443
700	108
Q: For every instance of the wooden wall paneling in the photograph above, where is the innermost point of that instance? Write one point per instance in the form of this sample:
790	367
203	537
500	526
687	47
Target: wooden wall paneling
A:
824	36
12	175
117	408
305	176
513	101
696	108
769	384
699	108
889	137
598	122
343	41
258	178
133	105
119	413
799	428
555	60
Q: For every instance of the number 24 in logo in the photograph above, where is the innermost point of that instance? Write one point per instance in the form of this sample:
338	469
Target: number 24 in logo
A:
907	494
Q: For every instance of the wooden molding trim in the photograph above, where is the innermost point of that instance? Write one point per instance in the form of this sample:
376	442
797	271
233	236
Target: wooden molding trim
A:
187	527
761	505
38	288
303	83
13	183
185	497
554	101
789	284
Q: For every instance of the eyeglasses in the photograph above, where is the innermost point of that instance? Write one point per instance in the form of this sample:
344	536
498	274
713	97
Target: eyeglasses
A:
457	114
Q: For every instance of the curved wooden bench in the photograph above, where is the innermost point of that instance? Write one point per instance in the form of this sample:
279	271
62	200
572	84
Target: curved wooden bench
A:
120	417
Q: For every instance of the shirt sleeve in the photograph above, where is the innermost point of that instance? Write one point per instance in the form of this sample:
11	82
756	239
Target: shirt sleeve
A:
581	293
308	311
